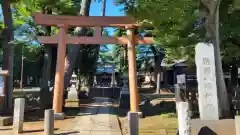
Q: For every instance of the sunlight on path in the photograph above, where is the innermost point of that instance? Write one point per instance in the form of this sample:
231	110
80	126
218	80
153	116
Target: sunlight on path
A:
95	120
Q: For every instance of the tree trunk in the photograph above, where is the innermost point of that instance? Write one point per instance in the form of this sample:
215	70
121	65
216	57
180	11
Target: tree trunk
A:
45	94
234	74
233	84
125	58
165	76
121	60
158	57
103	7
97	47
212	28
74	49
8	50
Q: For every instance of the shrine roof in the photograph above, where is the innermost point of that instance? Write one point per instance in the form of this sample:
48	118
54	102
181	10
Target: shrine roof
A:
105	70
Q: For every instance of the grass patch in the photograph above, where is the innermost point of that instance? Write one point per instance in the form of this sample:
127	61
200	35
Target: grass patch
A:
159	116
169	115
152	125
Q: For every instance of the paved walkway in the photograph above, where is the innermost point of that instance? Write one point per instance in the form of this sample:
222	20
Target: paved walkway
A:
97	120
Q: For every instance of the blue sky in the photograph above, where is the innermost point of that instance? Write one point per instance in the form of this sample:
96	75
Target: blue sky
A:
111	10
95	10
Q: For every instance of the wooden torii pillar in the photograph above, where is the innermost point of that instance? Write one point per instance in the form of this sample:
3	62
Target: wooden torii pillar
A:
62	38
59	77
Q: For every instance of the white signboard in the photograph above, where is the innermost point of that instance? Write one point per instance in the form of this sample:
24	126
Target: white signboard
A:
181	78
206	77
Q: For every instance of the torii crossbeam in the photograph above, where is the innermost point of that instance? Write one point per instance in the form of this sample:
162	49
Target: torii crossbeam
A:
92	21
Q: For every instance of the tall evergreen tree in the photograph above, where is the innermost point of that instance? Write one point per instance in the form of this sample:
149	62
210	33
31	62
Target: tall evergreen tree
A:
8	49
75	49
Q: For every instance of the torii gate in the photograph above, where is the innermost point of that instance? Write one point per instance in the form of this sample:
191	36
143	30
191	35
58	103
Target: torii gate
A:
63	22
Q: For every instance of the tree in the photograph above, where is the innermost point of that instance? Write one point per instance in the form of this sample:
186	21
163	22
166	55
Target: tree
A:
211	9
74	49
97	47
8	49
172	31
229	11
179	28
158	57
28	31
32	61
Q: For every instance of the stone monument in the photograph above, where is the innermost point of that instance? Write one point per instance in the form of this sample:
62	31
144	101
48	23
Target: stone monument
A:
72	97
207	89
18	116
125	95
183	118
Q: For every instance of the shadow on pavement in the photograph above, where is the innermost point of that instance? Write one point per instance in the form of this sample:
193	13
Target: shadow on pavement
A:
37	130
5	129
68	133
147	108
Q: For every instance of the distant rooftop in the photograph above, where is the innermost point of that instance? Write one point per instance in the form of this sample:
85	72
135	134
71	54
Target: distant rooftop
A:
180	62
106	69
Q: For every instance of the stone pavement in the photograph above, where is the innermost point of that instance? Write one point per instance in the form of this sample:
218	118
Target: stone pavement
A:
96	120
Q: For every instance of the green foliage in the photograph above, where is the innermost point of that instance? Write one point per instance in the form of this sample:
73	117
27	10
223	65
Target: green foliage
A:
32	60
26	31
173	22
57	6
177	26
23	9
229	30
174	28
